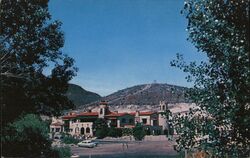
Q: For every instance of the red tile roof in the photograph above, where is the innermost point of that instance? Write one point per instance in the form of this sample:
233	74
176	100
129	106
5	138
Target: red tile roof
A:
56	124
69	116
80	114
143	113
114	114
88	114
147	113
111	114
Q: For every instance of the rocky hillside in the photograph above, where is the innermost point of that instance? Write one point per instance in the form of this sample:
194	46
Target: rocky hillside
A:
80	96
146	96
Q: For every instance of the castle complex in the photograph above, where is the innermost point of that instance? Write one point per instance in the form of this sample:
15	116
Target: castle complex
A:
81	124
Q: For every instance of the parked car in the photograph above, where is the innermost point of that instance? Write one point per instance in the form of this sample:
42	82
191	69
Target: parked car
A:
74	156
87	143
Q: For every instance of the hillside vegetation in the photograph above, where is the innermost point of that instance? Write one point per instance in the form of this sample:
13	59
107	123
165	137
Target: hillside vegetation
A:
145	96
80	96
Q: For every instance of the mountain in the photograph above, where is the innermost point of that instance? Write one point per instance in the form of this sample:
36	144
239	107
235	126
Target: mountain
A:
80	96
143	97
147	94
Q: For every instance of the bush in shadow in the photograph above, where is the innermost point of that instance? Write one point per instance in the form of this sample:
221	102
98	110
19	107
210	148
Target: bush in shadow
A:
68	139
60	152
138	132
115	132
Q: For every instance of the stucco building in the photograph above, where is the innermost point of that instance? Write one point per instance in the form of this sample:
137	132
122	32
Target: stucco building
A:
79	124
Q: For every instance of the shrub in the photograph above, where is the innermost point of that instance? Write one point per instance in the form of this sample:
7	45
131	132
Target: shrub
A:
138	132
27	136
101	133
127	131
68	139
60	152
101	128
115	132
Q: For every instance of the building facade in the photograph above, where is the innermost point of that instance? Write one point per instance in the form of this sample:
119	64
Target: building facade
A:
81	124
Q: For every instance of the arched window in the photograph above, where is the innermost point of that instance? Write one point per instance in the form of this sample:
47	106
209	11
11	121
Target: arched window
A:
82	130
101	111
87	130
76	130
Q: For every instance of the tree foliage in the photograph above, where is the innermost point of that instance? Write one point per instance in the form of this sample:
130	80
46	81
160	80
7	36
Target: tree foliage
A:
26	137
30	45
114	132
100	128
222	84
138	132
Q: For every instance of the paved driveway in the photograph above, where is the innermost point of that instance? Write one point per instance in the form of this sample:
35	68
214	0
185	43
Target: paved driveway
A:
152	146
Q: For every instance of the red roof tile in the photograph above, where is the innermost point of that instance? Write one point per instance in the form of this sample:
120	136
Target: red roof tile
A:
88	114
147	113
80	114
143	113
132	113
69	116
57	124
114	114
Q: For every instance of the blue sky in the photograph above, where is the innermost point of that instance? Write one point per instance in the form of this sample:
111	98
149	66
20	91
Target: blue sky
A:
121	43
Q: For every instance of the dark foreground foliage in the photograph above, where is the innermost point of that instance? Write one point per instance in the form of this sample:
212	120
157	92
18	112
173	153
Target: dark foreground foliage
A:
30	45
220	123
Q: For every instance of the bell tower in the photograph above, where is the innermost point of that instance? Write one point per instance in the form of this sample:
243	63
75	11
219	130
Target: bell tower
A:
163	106
103	109
163	121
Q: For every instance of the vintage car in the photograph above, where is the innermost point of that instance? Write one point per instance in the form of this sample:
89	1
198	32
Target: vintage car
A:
74	156
87	143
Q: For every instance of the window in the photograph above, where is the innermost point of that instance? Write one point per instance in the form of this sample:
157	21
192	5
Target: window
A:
57	129
76	130
131	120
154	122
52	129
87	130
101	111
144	121
123	120
82	130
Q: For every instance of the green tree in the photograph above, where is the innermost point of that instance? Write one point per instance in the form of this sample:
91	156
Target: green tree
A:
115	132
100	128
127	131
26	137
60	152
30	44
221	121
138	132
